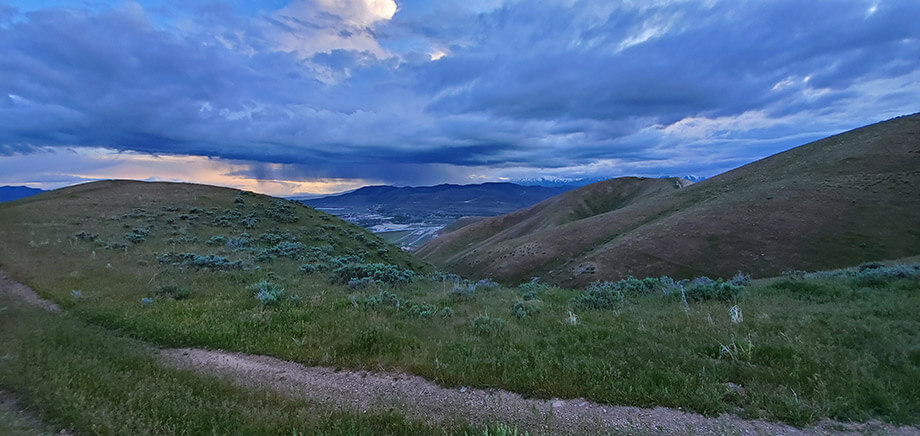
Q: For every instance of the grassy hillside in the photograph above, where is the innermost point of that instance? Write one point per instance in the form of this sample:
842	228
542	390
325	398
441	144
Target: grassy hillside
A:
842	200
166	264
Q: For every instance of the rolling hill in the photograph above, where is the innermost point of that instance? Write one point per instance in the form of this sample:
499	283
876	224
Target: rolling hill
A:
842	200
10	193
143	224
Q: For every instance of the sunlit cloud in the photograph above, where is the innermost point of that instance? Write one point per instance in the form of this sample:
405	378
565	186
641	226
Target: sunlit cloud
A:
52	168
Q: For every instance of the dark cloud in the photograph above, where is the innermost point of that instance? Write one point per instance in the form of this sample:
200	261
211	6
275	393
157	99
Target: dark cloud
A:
524	85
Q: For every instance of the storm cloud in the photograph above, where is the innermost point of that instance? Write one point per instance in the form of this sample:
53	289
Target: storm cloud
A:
420	92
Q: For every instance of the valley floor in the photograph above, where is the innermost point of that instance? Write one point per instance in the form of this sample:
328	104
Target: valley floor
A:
423	404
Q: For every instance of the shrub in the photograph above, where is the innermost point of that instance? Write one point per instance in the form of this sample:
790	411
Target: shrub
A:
669	286
524	309
741	279
705	281
282	212
484	325
210	261
250	221
463	290
534	286
423	310
877	276
598	296
378	272
271	238
718	290
383	299
240	242
339	261
282	249
137	236
216	240
310	268
174	292
83	236
267	293
486	283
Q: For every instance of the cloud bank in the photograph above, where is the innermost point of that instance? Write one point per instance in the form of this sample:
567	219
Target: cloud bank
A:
421	92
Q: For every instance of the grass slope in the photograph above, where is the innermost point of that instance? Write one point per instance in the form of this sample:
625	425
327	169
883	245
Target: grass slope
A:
808	348
839	201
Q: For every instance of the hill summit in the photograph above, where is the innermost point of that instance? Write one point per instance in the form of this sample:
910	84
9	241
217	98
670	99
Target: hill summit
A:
839	201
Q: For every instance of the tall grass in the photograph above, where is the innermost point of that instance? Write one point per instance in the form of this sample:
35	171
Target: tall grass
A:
93	382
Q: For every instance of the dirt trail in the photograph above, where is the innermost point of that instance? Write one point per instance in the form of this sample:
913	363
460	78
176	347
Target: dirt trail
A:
419	398
11	287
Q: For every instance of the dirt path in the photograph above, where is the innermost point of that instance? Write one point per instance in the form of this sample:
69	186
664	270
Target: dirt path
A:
22	421
17	290
418	398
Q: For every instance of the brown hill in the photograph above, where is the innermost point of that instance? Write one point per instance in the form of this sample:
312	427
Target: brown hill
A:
835	202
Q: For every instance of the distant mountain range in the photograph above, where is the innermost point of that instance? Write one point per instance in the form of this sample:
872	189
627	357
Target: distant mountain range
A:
453	201
10	193
843	200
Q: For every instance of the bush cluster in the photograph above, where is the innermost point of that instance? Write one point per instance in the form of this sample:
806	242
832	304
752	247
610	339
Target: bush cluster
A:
609	295
383	299
83	236
286	249
137	236
600	295
267	293
526	308
281	211
877	275
718	290
378	272
210	261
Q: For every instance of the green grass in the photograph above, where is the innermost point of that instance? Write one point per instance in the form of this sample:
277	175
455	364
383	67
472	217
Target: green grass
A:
89	380
807	349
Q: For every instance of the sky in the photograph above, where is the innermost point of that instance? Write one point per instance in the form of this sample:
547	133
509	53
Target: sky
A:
291	97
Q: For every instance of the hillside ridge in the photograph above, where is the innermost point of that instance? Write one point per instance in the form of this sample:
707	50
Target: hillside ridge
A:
836	201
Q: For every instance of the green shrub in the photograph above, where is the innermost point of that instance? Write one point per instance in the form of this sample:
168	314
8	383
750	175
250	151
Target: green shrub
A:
210	261
250	221
216	241
383	299
378	272
282	249
137	236
718	290
600	296
174	292
267	293
877	275
423	310
282	212
525	308
534	286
